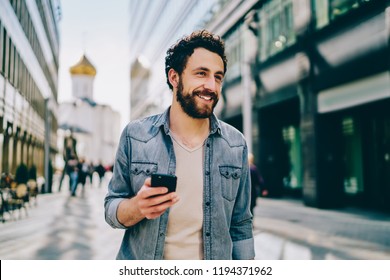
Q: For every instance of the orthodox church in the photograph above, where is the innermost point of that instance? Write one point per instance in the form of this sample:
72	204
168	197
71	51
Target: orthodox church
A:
94	126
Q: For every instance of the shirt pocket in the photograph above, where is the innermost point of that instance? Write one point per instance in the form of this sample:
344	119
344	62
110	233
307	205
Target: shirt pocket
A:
230	181
140	171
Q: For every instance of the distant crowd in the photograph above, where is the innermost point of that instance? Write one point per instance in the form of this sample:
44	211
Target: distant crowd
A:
77	168
79	171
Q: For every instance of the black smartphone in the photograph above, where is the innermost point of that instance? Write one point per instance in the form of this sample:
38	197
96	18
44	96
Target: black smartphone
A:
164	180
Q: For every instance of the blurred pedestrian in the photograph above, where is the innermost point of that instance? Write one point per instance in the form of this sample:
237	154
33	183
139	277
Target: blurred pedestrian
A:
82	167
73	172
100	170
69	152
91	170
257	182
212	218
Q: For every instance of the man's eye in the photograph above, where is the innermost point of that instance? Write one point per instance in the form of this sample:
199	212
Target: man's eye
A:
219	78
201	74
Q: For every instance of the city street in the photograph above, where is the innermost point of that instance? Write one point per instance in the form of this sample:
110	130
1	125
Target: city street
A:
61	227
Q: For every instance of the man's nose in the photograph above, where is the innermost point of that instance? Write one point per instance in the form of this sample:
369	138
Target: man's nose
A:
210	84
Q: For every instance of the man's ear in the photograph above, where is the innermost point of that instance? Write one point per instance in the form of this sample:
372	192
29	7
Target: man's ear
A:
173	77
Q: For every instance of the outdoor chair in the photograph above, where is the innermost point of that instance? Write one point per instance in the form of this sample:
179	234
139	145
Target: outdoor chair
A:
18	198
32	190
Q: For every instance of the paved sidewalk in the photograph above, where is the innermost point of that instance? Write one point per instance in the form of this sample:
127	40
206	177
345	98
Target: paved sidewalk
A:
286	229
62	227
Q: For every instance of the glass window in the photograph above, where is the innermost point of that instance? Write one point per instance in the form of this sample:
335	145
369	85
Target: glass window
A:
276	27
353	174
340	7
7	55
233	54
327	11
12	64
321	8
291	137
4	65
1	144
1	47
17	70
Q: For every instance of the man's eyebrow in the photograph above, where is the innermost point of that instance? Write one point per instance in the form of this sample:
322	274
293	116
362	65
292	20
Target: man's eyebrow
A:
201	68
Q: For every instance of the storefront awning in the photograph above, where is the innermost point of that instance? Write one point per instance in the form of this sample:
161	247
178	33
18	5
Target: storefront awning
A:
366	90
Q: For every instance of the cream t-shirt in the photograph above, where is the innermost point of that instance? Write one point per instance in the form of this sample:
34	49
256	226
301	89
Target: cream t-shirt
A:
184	233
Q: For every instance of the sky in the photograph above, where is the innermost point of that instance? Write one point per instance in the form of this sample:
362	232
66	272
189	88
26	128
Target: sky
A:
100	29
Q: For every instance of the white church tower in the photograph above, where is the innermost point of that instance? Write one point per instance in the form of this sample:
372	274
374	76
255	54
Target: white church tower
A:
96	127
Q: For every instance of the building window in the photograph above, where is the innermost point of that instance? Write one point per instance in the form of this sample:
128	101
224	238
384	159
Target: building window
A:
233	54
327	11
276	27
353	169
340	7
12	64
1	47
6	55
291	137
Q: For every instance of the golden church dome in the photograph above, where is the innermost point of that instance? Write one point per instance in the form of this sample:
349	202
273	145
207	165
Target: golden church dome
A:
83	67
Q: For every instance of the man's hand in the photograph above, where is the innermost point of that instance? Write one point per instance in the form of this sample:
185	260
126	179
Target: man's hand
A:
149	203
152	202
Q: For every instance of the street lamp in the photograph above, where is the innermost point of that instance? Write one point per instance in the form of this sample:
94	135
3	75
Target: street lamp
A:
248	54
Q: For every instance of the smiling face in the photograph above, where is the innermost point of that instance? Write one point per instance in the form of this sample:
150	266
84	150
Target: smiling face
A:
199	86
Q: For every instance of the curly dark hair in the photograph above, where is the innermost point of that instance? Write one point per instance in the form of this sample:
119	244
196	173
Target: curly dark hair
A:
178	54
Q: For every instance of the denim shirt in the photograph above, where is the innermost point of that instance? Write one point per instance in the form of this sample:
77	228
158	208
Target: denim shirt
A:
146	147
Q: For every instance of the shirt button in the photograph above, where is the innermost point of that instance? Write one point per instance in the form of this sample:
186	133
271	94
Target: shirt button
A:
207	234
207	145
207	203
207	172
161	234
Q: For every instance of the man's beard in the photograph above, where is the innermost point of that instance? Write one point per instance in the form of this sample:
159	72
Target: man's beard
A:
188	103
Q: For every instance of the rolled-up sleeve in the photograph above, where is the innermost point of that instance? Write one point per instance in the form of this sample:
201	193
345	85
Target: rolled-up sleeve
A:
243	249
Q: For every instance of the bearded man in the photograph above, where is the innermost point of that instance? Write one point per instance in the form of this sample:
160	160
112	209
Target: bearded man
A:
208	216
